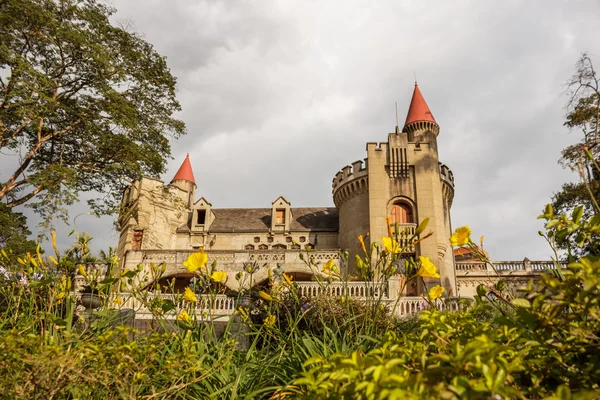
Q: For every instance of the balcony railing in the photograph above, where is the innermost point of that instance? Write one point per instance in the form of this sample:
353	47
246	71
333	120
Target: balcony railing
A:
406	232
214	304
359	290
500	266
414	305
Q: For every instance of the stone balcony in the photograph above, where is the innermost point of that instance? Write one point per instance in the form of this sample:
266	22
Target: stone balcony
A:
471	274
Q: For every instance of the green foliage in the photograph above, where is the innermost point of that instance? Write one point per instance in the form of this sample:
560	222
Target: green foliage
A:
582	157
543	343
550	345
14	232
89	105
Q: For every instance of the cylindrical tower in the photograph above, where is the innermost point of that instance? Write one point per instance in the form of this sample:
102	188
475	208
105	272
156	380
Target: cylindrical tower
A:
405	182
351	197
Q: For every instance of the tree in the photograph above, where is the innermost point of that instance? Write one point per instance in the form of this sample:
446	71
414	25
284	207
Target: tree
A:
84	105
14	232
583	157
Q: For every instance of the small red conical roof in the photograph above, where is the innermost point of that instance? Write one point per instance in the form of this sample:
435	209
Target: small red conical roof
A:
419	110
185	172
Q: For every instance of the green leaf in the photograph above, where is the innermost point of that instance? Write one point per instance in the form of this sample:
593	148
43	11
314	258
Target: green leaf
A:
577	213
421	228
521	303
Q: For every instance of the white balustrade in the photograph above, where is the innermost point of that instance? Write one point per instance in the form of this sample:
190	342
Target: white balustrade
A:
215	304
414	305
410	305
360	290
505	266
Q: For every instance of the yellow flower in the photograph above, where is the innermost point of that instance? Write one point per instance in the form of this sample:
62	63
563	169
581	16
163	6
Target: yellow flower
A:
184	316
196	261
269	321
436	292
362	244
481	240
427	269
219	276
265	296
190	295
391	246
461	236
387	221
287	278
82	270
53	234
330	268
243	314
118	300
53	260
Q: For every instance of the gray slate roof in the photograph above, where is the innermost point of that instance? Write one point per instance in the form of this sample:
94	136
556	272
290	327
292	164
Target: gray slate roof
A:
308	219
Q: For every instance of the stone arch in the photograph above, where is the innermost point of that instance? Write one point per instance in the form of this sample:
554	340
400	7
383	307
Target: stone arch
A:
403	210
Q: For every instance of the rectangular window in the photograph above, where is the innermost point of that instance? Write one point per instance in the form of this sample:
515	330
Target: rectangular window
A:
136	241
201	218
279	217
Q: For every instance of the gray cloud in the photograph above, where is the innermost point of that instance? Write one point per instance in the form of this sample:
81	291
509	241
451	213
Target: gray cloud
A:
279	95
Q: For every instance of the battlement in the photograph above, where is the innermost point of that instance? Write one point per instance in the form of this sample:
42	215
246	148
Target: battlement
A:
446	175
447	178
348	173
352	179
377	146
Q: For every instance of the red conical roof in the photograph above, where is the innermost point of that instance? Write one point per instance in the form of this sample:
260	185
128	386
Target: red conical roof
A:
419	110
185	172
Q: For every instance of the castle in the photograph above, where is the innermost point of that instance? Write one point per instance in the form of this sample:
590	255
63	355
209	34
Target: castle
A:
402	179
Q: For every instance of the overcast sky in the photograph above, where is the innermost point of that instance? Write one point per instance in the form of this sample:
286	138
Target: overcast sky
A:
279	95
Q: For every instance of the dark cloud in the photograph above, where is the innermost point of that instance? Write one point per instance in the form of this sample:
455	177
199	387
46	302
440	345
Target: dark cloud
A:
279	95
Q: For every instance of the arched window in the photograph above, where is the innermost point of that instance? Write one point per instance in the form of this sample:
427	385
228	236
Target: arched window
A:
279	246
249	247
402	213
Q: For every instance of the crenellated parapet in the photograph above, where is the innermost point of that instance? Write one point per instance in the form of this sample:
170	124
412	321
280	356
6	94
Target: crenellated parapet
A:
352	180
447	178
421	126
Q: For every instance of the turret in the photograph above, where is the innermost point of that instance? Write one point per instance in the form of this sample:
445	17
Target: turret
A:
405	182
184	180
419	115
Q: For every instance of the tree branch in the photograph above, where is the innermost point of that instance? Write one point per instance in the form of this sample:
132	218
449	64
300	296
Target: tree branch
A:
25	198
41	140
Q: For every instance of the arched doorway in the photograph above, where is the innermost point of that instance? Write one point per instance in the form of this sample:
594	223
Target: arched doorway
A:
402	213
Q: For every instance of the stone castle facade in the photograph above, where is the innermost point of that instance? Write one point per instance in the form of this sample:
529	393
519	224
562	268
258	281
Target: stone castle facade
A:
402	178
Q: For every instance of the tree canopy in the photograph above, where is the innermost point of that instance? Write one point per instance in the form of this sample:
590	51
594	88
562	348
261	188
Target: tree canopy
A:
14	232
85	105
583	157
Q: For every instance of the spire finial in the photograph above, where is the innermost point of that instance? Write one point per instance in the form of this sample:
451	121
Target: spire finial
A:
397	126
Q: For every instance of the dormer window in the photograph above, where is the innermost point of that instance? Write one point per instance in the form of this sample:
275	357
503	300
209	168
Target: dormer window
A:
279	216
201	217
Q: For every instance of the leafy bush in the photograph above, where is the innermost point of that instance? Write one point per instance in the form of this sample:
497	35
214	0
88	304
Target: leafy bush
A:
541	343
547	346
